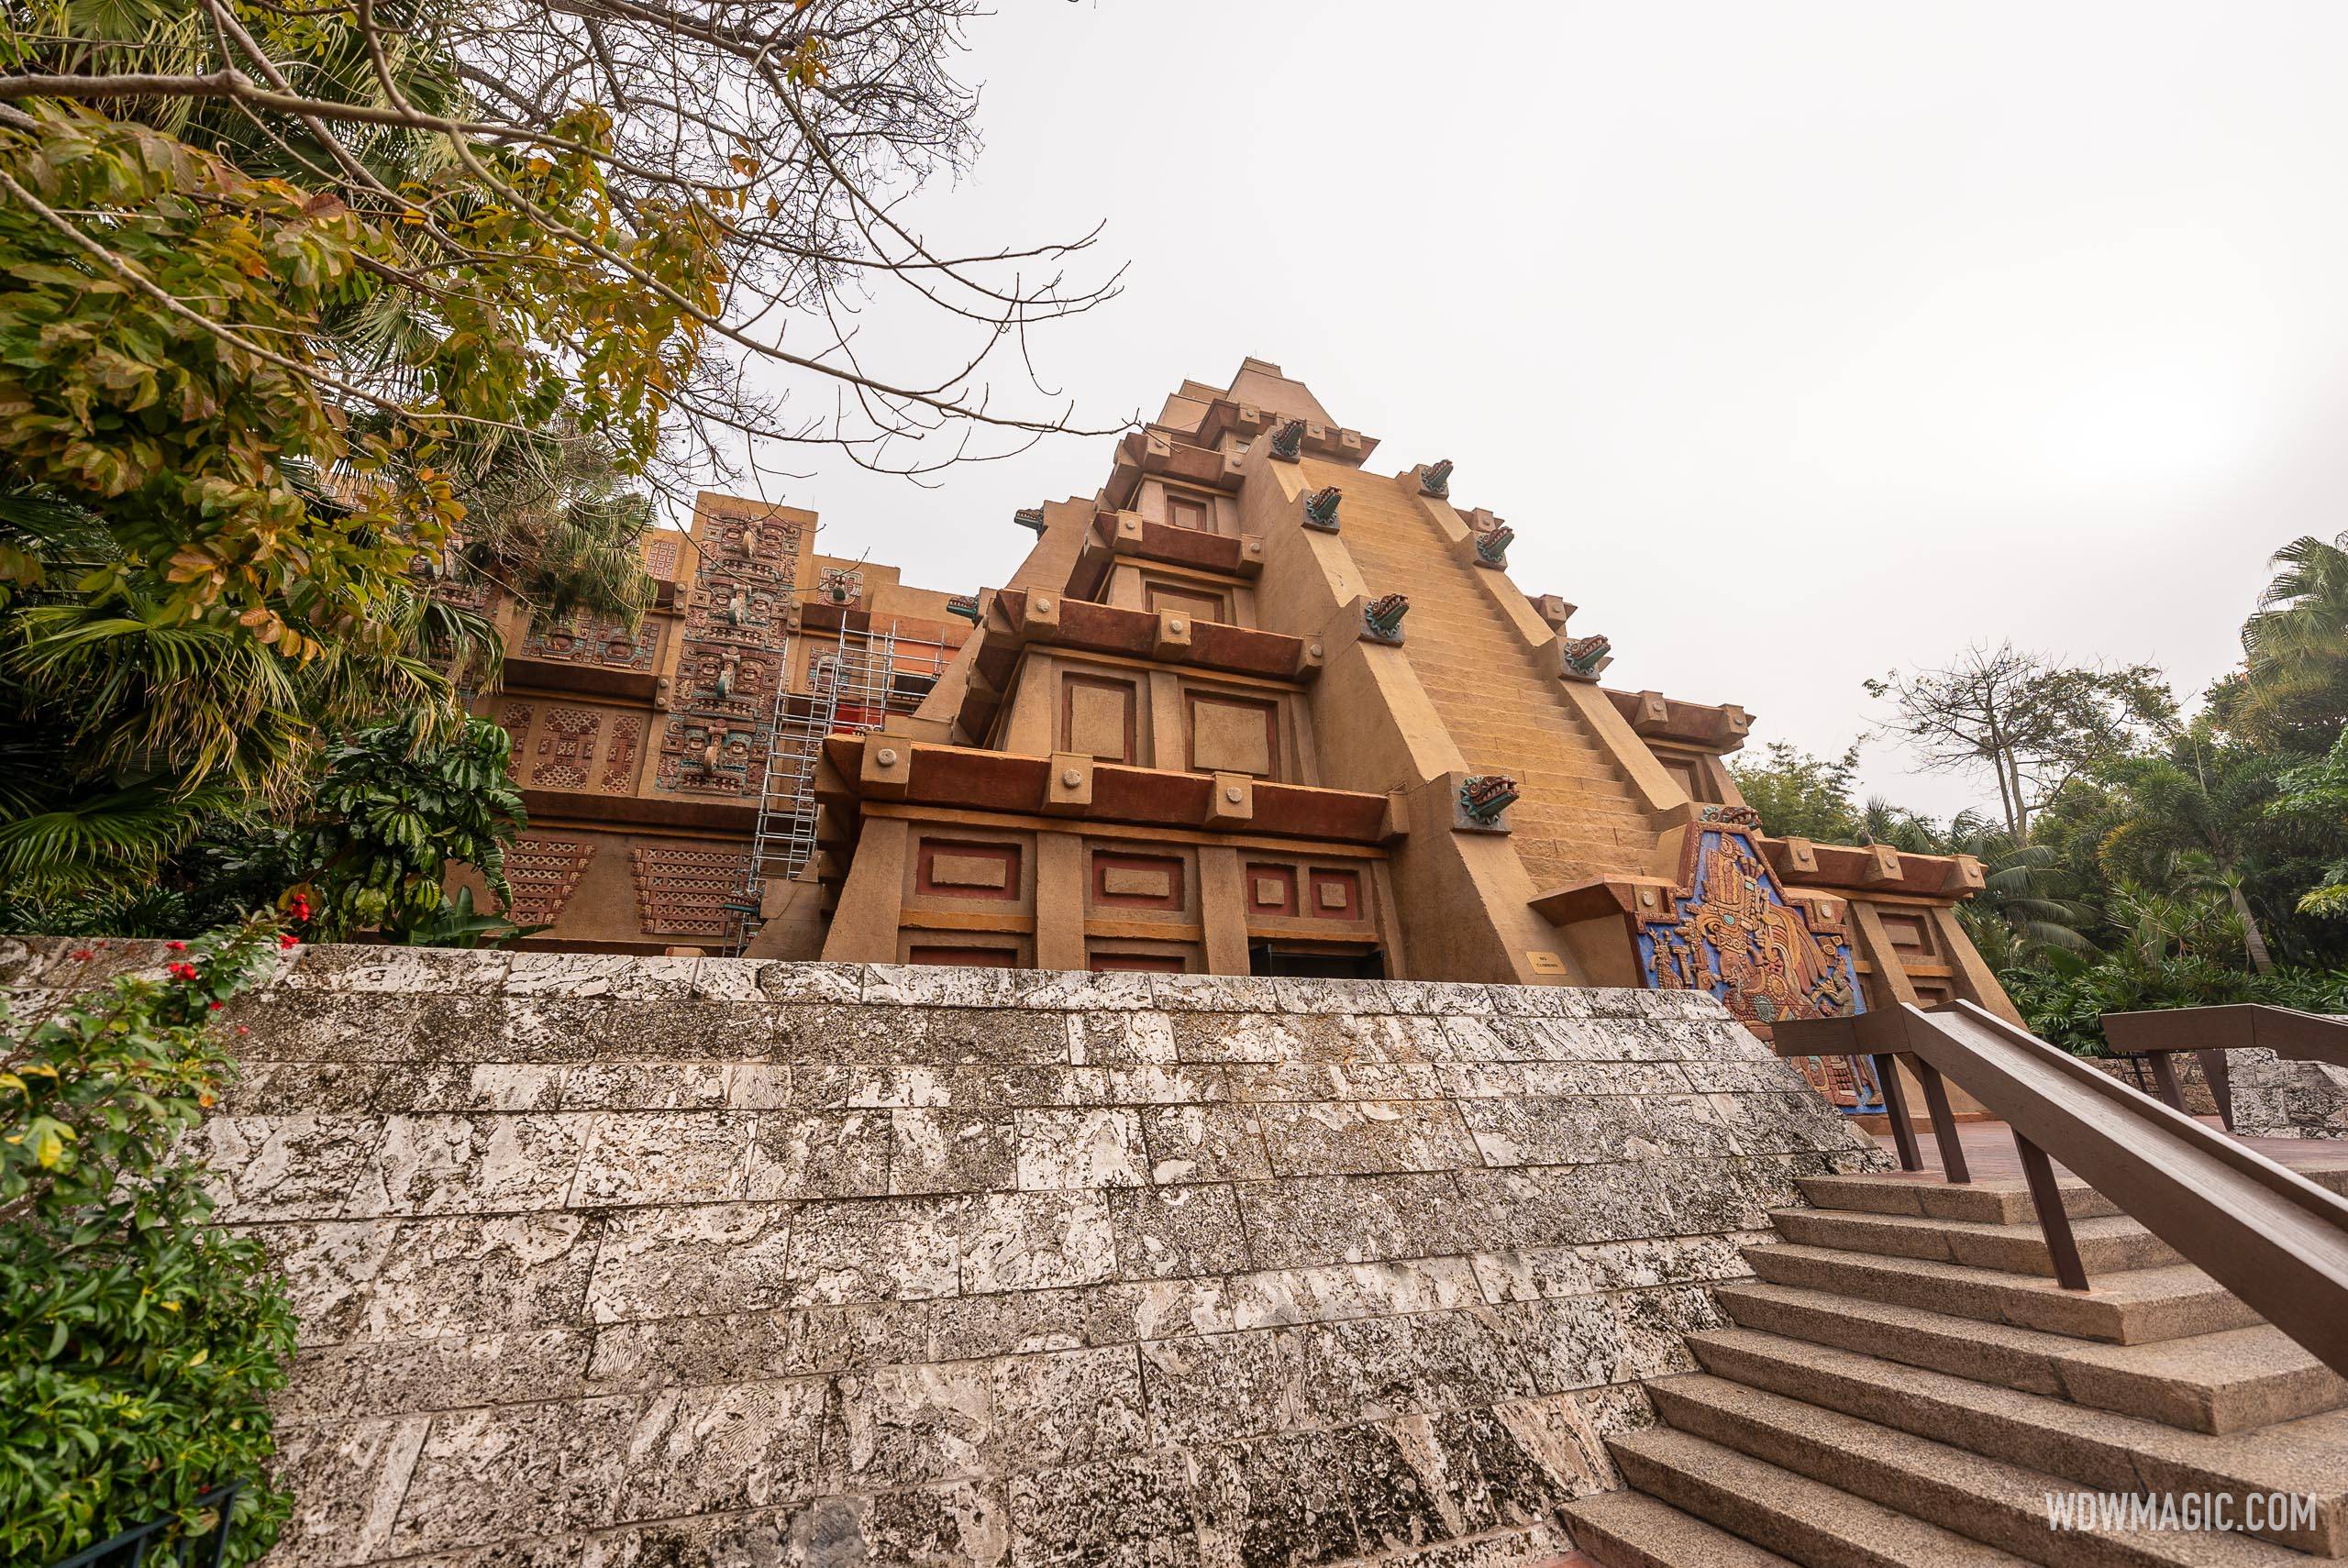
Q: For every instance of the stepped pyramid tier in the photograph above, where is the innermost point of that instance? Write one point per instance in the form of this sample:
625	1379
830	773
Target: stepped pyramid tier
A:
1195	733
1213	721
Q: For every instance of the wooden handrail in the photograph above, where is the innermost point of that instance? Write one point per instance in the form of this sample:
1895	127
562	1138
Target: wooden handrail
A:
2268	1235
2210	1032
2291	1035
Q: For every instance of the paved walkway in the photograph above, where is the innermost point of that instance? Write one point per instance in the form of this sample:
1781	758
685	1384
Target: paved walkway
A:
1989	1149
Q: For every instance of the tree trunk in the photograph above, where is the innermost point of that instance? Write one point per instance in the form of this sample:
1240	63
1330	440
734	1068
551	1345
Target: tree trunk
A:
2253	941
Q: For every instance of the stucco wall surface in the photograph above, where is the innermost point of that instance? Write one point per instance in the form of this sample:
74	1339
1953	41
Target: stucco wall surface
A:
638	1261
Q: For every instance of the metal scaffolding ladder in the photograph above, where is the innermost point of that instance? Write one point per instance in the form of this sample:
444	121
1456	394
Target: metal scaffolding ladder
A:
850	686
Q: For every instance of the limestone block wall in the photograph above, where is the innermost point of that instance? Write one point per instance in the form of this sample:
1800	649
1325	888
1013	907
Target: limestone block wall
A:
651	1261
2275	1099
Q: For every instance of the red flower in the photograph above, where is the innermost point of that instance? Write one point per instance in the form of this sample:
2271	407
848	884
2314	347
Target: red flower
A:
174	947
80	956
217	1006
180	971
287	939
243	1029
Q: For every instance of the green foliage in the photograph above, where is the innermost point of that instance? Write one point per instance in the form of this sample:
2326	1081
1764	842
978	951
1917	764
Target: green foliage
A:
2063	999
1799	795
139	1342
2314	797
2293	689
393	810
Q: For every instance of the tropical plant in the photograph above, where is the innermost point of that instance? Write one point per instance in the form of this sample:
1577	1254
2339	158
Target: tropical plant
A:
139	1342
2294	680
2315	795
2194	817
395	810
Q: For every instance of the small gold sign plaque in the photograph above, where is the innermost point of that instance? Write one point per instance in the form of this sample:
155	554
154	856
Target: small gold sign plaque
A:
1546	963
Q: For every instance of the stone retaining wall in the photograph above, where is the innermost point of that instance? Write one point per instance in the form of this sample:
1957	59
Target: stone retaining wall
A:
638	1261
2275	1099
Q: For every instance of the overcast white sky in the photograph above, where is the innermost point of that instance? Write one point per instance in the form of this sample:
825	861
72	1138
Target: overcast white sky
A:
1796	341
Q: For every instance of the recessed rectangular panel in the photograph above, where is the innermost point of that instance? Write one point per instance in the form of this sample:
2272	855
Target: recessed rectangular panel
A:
1909	933
1234	734
1271	890
1141	963
1137	881
1196	604
1097	718
960	868
1335	893
1186	511
972	957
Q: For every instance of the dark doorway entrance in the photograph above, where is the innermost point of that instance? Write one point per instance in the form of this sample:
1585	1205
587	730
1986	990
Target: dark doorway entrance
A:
1316	963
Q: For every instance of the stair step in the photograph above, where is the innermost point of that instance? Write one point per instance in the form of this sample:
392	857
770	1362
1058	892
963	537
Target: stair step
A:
1631	1529
1992	1201
2106	1244
2133	1307
2223	1382
1988	1500
1809	1522
2096	1449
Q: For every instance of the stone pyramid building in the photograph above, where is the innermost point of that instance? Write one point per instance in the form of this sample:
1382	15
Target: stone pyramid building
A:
1254	706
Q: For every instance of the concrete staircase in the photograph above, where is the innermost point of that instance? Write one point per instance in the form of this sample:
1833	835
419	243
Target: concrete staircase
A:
1905	1384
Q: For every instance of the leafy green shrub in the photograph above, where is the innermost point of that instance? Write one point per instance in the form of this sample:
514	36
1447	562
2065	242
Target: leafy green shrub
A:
2062	997
139	1342
393	809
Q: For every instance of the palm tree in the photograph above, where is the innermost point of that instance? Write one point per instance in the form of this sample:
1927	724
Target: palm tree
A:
2193	819
2296	645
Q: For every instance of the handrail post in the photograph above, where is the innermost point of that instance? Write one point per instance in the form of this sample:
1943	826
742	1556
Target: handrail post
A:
2165	1075
1952	1166
2053	1219
2215	1068
1895	1105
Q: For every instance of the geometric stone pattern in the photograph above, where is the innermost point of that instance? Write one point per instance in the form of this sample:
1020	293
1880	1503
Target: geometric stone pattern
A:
634	1261
543	874
682	891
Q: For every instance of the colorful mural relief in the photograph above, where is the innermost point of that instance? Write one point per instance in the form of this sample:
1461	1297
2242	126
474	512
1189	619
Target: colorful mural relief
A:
1734	932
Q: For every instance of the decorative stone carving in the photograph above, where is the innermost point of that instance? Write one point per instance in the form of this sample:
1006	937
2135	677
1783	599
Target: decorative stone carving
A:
619	758
660	555
543	874
1382	619
1491	546
966	605
840	585
1029	518
1585	657
1483	797
737	619
566	748
516	718
709	756
1741	816
1288	441
1321	508
591	641
684	892
1435	480
1731	931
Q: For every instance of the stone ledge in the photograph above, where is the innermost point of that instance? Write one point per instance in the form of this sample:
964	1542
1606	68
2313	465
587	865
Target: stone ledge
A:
650	1259
33	963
